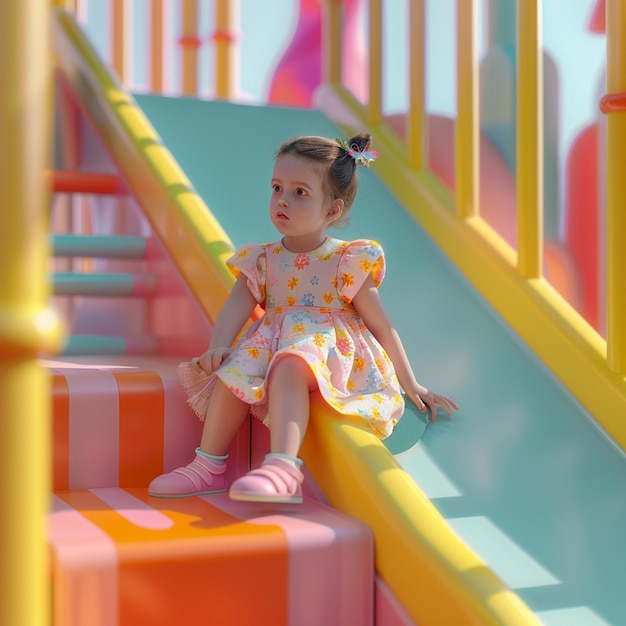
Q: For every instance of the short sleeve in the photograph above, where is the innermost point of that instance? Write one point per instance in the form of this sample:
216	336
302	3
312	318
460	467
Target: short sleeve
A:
360	259
250	260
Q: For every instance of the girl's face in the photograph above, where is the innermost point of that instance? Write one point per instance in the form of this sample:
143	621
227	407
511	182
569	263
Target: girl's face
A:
300	209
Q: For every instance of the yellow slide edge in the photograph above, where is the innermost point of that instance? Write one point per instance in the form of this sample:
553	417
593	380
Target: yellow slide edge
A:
434	574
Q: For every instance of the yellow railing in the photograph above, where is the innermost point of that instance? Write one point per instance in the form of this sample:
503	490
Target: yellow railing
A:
225	37
512	280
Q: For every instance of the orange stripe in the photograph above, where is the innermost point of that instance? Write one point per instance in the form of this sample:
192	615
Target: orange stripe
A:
76	181
141	437
209	567
60	432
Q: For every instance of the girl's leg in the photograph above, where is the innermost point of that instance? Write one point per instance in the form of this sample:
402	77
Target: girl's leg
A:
223	419
279	479
290	383
205	474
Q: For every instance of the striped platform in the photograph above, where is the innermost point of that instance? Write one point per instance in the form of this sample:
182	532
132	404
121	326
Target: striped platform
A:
121	557
118	421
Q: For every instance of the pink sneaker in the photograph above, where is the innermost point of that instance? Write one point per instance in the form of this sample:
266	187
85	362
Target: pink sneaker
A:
277	480
201	476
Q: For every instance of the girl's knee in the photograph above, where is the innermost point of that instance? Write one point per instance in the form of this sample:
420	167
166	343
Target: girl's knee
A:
293	368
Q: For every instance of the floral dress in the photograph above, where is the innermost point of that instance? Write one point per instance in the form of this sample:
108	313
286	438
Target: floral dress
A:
308	312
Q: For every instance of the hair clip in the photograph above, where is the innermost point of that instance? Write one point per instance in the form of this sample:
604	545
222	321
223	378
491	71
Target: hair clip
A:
363	157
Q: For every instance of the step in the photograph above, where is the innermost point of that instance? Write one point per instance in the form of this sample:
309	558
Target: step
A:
121	557
99	246
119	421
105	285
78	181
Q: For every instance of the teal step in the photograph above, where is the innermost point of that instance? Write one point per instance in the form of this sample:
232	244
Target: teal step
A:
84	345
110	284
100	246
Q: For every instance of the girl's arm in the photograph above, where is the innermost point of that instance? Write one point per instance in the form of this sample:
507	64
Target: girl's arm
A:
372	311
231	319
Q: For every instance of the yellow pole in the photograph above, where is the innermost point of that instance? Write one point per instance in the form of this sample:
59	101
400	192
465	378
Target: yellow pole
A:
331	42
156	46
467	136
616	188
190	44
529	140
375	107
416	129
25	324
226	49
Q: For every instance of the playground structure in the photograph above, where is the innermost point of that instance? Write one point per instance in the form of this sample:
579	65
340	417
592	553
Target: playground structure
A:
512	281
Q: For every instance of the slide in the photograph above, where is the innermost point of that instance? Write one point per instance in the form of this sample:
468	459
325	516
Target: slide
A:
523	474
512	512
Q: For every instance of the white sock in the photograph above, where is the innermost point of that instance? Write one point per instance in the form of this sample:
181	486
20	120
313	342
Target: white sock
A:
294	459
219	460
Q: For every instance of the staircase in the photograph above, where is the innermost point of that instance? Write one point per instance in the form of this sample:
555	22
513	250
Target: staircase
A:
111	277
120	557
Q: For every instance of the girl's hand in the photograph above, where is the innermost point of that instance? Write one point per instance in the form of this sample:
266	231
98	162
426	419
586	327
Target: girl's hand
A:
423	398
210	360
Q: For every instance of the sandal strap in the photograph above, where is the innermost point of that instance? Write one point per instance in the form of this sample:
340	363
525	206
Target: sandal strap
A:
283	474
200	471
196	479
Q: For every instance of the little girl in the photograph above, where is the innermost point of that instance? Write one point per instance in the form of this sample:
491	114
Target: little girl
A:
324	328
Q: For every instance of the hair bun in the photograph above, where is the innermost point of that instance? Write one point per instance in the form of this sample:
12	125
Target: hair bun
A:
358	149
361	142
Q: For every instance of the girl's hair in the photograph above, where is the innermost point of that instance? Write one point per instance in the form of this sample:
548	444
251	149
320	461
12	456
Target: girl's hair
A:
338	167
